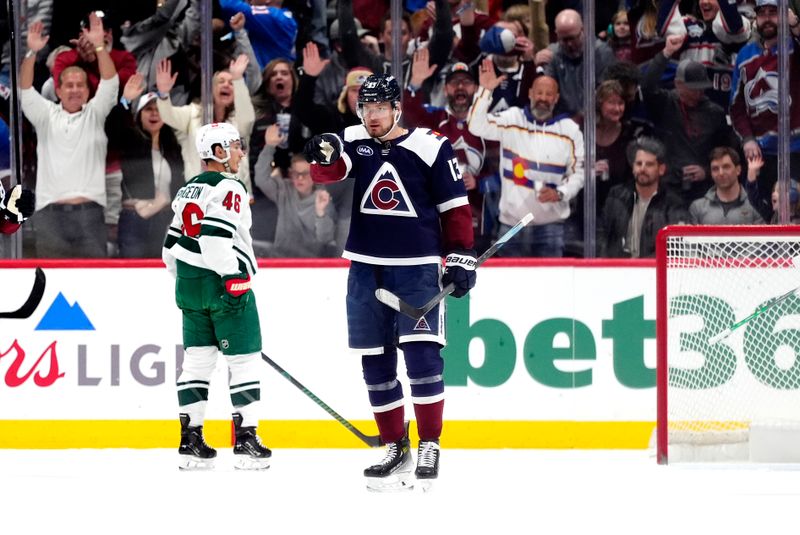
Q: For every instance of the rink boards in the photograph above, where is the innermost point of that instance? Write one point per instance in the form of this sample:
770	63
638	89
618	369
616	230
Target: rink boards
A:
548	354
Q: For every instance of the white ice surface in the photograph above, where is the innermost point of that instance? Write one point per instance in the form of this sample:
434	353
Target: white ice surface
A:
322	492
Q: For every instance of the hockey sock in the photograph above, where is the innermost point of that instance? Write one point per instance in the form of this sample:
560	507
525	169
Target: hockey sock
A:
390	424
429	419
425	366
385	393
244	386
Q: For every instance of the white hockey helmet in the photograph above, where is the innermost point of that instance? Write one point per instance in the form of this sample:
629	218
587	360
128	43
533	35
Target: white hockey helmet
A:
208	135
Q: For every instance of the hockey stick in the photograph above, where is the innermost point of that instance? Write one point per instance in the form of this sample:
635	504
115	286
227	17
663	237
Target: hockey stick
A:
371	441
757	312
33	300
392	301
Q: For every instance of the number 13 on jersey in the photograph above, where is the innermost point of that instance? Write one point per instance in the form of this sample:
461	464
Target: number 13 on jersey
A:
454	170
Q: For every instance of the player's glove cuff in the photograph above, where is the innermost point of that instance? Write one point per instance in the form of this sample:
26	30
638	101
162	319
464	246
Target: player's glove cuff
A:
238	284
18	204
459	270
323	149
463	259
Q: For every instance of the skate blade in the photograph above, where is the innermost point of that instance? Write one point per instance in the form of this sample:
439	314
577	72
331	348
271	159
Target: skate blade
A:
191	463
397	482
425	485
245	462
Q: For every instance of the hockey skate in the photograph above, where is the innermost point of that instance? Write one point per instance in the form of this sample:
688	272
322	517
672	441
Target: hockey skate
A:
393	473
427	463
249	452
194	453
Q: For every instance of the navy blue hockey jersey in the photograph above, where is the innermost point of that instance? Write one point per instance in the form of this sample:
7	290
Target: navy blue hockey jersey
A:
401	187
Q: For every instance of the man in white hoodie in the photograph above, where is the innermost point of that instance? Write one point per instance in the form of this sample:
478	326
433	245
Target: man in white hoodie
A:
541	163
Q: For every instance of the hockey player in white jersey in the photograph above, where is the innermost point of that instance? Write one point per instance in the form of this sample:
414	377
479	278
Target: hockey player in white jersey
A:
209	250
410	208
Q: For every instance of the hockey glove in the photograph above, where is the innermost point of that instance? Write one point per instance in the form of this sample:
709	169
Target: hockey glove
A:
323	149
459	268
237	288
18	204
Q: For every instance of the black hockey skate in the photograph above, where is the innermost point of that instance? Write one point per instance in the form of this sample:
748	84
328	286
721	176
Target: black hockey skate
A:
427	462
393	473
194	453
248	450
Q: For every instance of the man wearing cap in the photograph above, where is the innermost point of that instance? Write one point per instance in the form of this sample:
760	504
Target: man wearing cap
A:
331	78
712	39
451	120
511	52
754	101
686	121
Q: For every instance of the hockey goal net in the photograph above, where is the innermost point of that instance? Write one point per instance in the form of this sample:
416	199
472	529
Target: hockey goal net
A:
728	339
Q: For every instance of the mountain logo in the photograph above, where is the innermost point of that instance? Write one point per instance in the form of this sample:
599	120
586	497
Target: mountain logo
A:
61	316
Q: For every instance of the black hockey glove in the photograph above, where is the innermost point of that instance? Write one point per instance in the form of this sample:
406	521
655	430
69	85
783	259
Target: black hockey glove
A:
459	268
323	149
18	204
237	289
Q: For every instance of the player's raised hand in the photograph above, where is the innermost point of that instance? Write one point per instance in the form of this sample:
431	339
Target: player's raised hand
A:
312	63
323	149
487	77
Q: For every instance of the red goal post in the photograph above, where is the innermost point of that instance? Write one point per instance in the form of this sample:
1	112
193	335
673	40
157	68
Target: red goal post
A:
728	341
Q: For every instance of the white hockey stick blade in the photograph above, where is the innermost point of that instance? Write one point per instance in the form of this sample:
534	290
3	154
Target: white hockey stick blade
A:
388	298
714	340
757	312
394	302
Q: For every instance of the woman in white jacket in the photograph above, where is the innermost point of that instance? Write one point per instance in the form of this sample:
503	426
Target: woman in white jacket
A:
232	104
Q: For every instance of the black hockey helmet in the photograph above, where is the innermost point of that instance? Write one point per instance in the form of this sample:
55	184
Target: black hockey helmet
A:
379	88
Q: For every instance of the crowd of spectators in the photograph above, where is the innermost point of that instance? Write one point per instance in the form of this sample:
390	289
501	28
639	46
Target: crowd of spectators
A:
685	103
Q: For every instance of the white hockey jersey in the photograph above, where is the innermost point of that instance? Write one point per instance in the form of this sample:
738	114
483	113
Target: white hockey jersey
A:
211	227
533	154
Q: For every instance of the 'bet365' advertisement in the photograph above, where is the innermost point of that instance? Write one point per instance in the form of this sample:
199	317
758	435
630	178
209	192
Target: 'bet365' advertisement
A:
529	346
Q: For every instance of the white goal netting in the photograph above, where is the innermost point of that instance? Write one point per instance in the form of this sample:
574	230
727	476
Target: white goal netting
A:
723	378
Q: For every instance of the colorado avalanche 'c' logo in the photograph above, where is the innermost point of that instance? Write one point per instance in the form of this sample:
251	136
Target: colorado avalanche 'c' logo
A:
761	93
383	194
386	195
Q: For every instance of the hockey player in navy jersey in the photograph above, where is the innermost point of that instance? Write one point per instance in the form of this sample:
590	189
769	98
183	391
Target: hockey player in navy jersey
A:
410	207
